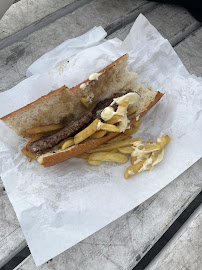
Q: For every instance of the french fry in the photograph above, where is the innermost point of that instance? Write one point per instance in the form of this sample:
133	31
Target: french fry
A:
163	140
153	150
125	103
132	110
133	128
86	103
28	153
43	129
118	138
133	169
133	159
69	142
113	146
114	119
107	156
87	132
59	145
122	108
94	162
126	150
152	147
98	134
109	127
84	156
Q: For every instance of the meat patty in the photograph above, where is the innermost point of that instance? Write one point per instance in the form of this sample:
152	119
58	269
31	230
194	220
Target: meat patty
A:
53	139
105	103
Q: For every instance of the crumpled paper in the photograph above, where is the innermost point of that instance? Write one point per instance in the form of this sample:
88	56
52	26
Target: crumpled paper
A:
68	202
66	49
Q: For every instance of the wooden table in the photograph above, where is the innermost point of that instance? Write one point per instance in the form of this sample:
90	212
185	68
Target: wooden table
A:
31	28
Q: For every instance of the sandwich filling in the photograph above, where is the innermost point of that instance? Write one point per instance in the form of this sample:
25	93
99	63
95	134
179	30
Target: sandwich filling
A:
104	111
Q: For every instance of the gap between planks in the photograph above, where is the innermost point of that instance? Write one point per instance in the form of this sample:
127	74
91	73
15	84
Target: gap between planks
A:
185	33
188	224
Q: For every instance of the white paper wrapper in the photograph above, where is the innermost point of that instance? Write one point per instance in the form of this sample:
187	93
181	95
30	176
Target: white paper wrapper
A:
59	206
65	50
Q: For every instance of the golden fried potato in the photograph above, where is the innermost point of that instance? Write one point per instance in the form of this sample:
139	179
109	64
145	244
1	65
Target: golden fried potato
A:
132	110
94	162
69	142
133	169
108	156
163	140
114	119
87	132
113	146
98	134
43	129
109	127
86	102
126	150
118	138
133	128
28	153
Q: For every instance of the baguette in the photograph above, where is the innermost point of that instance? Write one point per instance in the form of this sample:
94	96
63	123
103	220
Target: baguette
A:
63	105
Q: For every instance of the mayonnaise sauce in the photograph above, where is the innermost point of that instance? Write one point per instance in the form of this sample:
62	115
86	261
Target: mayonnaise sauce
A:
83	86
132	97
94	76
99	125
152	157
123	124
109	112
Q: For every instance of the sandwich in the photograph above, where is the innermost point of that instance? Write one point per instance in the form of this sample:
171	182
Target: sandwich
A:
68	123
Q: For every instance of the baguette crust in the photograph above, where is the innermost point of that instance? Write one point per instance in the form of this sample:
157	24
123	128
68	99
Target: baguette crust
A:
88	145
54	159
157	98
32	104
60	90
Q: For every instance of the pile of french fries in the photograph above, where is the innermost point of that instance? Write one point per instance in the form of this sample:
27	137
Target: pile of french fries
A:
119	149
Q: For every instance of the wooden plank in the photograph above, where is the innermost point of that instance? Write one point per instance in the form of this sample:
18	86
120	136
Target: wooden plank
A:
168	19
11	236
23	13
175	202
121	244
184	250
190	51
15	59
